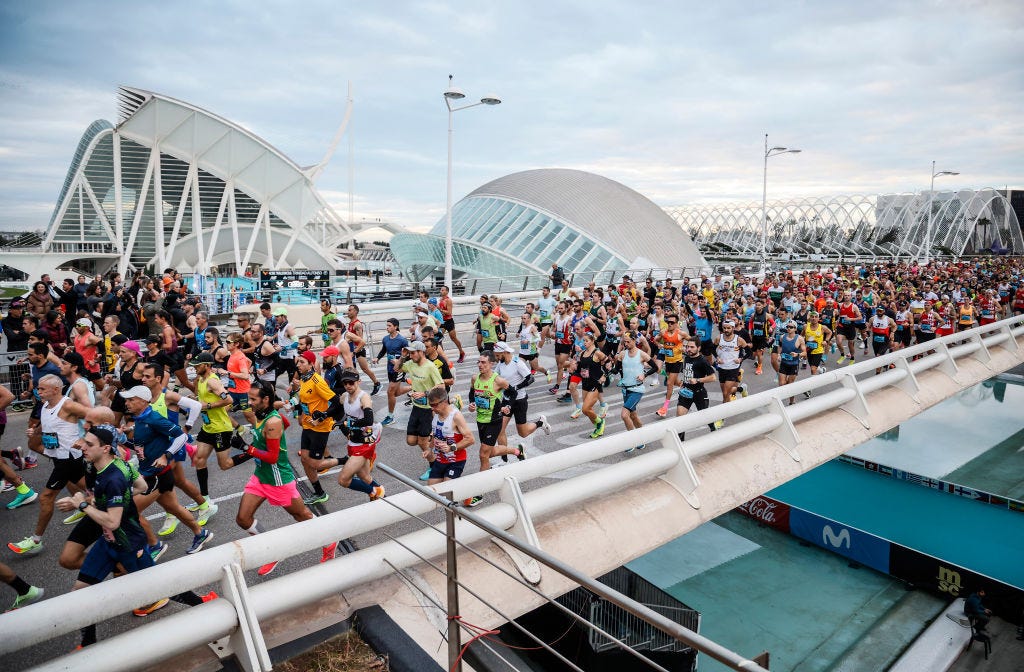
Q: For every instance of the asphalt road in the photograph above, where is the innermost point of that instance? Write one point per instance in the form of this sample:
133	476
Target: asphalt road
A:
226	486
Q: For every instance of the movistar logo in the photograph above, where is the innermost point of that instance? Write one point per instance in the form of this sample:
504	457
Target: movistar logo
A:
835	540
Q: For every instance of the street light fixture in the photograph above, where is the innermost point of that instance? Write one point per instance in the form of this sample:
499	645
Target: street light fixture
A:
453	94
768	153
931	198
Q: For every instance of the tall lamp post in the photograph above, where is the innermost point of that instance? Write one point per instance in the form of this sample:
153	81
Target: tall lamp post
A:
451	95
768	153
931	198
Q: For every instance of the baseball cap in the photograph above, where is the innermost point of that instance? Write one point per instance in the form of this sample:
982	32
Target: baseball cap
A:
133	346
83	322
416	346
308	356
432	301
330	351
420	313
502	346
280	310
17	303
137	392
204	358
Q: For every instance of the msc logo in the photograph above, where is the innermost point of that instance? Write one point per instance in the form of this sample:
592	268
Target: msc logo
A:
949	581
828	536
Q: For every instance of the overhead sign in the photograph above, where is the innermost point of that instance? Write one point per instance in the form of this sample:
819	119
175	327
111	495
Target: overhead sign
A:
274	280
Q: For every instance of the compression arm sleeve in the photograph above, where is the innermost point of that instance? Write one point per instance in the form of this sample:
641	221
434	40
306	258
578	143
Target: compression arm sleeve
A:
269	455
177	444
383	351
193	407
333	407
367	419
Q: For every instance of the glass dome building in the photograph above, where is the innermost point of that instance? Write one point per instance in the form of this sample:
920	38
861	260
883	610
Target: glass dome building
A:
520	224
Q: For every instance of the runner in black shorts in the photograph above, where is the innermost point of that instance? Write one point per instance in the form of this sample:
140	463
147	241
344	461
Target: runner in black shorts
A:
696	372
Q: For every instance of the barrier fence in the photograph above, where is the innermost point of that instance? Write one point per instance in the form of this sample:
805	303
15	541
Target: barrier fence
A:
242	608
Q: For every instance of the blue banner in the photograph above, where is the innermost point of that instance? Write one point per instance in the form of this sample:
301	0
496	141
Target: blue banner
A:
867	549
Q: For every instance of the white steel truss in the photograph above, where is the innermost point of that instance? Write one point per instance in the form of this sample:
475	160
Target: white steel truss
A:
174	185
963	222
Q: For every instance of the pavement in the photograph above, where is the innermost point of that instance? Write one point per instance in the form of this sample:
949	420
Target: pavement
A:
226	487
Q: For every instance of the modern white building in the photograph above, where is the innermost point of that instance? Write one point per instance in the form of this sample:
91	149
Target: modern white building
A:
174	185
519	224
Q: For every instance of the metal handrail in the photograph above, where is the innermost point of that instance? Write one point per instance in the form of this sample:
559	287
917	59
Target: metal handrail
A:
44	620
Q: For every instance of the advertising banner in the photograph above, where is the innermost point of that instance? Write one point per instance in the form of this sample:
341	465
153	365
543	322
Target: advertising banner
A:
771	512
867	549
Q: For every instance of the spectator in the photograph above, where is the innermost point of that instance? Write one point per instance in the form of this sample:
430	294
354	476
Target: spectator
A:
39	300
974	608
557	275
14	328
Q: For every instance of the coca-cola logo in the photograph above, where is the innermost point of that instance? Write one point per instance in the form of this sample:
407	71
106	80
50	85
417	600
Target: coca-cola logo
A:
768	511
761	508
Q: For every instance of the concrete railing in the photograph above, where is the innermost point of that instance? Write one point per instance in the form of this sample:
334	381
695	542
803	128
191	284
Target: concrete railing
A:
241	610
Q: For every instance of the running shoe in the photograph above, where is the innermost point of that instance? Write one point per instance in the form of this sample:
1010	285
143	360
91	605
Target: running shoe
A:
388	419
425	476
31	462
663	410
315	498
719	424
757	371
156	551
378	493
821	369
604	410
852	361
193	507
841	360
457	401
6	487
267	568
807	394
550	377
26	546
743	389
598	428
169	526
474	501
408	402
575	414
564	399
209	597
803	365
34	594
545	427
654	381
376	388
521	455
22	499
199	541
629	450
147	610
74	518
17	461
329	552
553	390
207	513
462	357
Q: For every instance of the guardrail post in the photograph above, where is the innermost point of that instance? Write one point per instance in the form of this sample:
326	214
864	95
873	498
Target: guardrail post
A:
246	642
858	406
981	354
683	477
948	364
785	434
909	382
510	493
1010	343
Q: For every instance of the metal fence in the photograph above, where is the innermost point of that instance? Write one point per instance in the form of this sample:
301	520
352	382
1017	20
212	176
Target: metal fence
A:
667	457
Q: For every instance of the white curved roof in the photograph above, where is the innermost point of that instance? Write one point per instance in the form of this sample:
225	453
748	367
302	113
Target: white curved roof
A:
622	219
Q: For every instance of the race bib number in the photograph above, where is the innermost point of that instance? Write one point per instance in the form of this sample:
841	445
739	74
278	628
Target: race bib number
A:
482	403
812	345
50	441
758	332
686	393
881	338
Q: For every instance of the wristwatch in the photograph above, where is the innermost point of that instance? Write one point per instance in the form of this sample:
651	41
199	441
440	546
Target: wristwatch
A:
83	506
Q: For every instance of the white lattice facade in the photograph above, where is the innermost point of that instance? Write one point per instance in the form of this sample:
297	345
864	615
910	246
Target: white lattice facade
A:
963	222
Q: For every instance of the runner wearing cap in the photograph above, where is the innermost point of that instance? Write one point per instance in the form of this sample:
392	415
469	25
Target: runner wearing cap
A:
450	437
357	329
157	440
363	434
215	433
422	376
391	346
517	374
274	478
792	348
317	406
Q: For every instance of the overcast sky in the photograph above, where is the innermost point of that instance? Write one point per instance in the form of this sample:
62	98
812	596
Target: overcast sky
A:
670	98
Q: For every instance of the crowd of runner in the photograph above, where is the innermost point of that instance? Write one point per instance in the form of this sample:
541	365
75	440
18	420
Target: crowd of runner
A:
131	389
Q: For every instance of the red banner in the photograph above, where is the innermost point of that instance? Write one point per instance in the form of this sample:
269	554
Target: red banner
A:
769	511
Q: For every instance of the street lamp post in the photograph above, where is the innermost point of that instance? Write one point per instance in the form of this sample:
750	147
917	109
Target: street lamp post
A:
931	198
451	95
768	153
